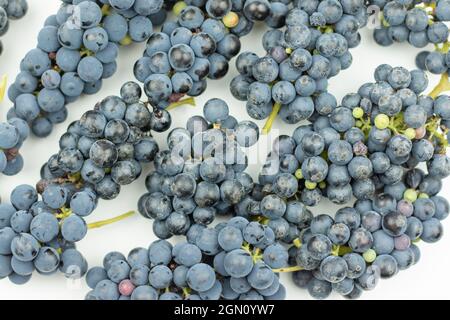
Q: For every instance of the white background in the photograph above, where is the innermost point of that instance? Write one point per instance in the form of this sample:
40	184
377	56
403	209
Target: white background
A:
429	279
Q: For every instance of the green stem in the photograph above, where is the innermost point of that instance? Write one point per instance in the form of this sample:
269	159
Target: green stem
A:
102	223
273	115
445	47
64	213
383	20
288	269
106	10
335	251
256	255
187	101
366	125
186	292
246	247
343	250
126	41
3	84
297	242
86	52
442	139
393	128
442	86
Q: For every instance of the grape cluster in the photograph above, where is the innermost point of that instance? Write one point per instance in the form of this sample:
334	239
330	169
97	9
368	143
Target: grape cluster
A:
292	78
161	272
31	239
232	261
12	134
375	239
99	153
436	62
196	46
10	10
201	175
76	49
369	148
246	256
363	145
419	23
106	146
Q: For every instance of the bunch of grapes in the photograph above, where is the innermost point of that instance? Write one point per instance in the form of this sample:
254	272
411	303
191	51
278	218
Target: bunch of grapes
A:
247	257
161	272
201	175
15	131
375	239
364	144
235	260
12	134
387	129
78	46
292	78
99	153
196	46
362	147
76	49
419	23
10	10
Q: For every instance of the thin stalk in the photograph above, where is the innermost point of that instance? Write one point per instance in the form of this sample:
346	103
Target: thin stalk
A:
442	86
273	115
3	84
288	269
102	223
187	101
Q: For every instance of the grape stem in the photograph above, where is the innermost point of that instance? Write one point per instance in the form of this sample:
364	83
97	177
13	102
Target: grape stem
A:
365	125
256	255
106	10
393	127
383	20
264	221
335	251
343	250
186	292
288	269
268	126
432	127
86	52
297	243
126	41
442	86
3	84
102	223
74	178
187	101
445	47
64	213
